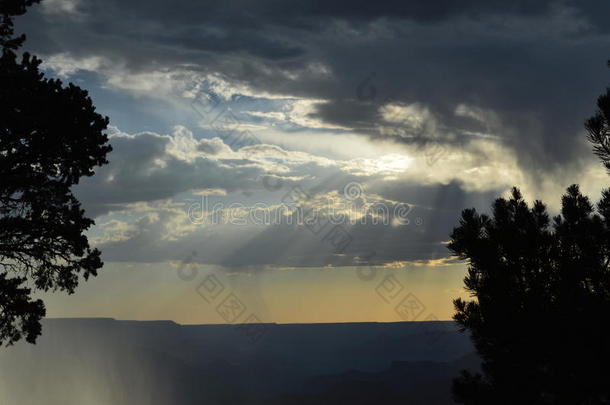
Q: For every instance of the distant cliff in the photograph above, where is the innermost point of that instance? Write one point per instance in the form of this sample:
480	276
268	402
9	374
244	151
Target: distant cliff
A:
105	361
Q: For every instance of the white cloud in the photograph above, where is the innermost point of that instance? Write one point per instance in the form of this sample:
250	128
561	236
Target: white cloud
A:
60	6
65	65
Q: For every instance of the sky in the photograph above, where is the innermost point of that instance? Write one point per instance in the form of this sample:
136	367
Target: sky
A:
311	158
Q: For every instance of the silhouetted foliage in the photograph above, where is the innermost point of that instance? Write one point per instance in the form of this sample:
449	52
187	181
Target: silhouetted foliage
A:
9	9
50	136
542	289
598	128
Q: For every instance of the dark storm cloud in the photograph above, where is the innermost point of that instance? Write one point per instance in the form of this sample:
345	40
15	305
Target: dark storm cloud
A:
532	69
538	65
255	14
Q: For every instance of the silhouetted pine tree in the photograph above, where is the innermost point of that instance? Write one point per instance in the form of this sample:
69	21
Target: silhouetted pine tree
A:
598	128
50	136
540	316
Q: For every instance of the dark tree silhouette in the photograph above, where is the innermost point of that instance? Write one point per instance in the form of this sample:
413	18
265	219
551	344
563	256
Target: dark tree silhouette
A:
50	136
541	312
598	128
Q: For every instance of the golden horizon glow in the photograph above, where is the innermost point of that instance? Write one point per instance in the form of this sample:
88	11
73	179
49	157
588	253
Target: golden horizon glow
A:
274	295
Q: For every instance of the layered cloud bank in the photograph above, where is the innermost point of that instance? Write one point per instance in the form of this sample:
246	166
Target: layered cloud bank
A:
164	196
426	109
